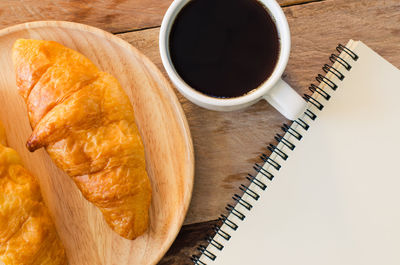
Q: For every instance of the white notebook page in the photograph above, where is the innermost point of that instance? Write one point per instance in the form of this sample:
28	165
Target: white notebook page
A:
336	199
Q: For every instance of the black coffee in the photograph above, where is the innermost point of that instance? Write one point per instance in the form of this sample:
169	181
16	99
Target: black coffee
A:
224	48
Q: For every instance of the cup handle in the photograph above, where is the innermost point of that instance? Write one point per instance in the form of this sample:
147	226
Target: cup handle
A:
286	100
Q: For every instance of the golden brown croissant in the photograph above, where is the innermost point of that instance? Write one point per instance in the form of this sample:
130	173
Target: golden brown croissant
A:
86	123
27	233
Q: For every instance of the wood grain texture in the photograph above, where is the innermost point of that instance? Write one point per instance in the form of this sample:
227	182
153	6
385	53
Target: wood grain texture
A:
187	241
168	148
227	144
285	3
111	15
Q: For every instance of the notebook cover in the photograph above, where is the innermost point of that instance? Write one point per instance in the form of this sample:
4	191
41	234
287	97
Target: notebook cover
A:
335	200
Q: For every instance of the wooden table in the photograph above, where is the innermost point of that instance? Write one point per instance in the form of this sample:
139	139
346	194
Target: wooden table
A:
227	144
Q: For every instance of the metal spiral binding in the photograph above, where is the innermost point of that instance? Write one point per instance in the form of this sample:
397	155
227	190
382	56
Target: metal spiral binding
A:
267	175
322	79
313	101
327	68
316	89
263	172
310	114
256	181
215	243
288	129
334	58
228	222
242	202
196	260
276	150
302	123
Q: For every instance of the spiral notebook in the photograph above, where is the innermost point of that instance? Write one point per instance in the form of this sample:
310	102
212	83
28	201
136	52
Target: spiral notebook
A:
330	191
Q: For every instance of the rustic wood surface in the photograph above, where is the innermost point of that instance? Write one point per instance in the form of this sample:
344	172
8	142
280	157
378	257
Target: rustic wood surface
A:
115	16
227	144
164	130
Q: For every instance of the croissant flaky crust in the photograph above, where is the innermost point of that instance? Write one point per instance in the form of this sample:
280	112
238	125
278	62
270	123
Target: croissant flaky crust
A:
27	233
86	123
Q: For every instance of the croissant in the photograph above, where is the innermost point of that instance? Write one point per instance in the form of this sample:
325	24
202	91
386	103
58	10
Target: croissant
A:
86	123
27	233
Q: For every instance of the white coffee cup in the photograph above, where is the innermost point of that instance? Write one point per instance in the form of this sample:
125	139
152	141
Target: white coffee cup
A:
276	91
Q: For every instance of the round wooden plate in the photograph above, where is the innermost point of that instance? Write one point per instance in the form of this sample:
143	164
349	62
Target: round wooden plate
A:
165	133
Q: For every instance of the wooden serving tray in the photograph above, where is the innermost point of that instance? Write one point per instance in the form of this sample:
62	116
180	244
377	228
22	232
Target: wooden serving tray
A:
168	146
